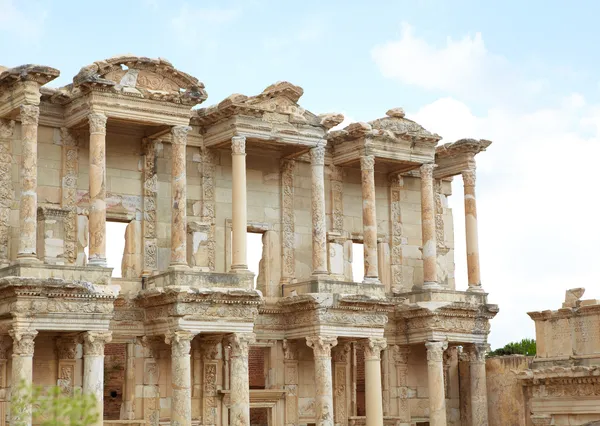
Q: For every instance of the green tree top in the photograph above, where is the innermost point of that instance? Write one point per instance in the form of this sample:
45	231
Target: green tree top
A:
524	347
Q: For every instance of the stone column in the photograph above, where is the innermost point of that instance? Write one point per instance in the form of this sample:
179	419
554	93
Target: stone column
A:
400	354
367	169
479	407
239	410
428	228
97	218
435	380
321	346
341	356
22	372
290	355
239	217
373	389
6	187
127	409
66	348
178	196
28	204
319	255
181	377
474	277
93	368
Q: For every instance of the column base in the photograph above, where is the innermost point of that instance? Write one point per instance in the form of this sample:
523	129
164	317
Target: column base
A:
26	258
371	280
179	267
239	268
432	285
99	261
476	289
320	274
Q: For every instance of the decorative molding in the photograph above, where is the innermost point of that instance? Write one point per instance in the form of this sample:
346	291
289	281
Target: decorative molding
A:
180	134
321	345
23	344
30	115
97	122
94	342
180	341
435	351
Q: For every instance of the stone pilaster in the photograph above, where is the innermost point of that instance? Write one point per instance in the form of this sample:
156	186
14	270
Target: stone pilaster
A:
181	377
341	356
151	391
319	254
288	230
479	407
239	219
337	200
373	388
22	372
97	218
464	386
239	411
428	228
210	366
150	204
400	354
435	380
66	349
474	278
127	408
290	374
6	187
28	205
69	178
367	170
93	368
5	343
396	184
321	346
208	202
178	196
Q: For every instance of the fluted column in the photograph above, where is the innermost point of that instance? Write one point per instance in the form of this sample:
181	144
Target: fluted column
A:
93	368
28	205
239	219
479	406
181	377
178	196
97	218
435	380
321	346
22	372
367	169
319	255
373	389
239	410
474	278
428	228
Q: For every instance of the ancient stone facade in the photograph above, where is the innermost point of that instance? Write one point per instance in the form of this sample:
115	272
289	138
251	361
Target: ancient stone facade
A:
185	336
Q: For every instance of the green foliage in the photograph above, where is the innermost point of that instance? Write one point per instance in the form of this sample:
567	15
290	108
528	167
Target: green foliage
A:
53	406
524	347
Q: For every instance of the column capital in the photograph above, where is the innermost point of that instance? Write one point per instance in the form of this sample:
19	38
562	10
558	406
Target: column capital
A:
400	353
477	353
240	343
23	341
30	114
317	155
7	128
427	170
66	347
469	177
435	350
180	134
373	347
238	145
367	162
321	345
180	341
97	122
94	342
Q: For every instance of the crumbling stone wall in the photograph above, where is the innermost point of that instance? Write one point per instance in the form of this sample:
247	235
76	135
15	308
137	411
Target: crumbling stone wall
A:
506	401
115	355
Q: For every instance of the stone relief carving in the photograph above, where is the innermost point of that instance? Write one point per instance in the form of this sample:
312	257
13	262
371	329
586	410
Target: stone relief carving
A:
94	342
238	145
6	188
208	202
97	122
287	221
23	341
150	200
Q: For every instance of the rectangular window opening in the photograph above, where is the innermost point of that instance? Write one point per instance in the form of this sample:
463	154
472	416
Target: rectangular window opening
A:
115	246
254	253
358	262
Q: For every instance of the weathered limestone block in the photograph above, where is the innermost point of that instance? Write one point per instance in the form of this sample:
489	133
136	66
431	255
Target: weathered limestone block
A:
572	296
69	179
97	171
66	348
51	234
322	346
82	239
430	279
319	225
6	187
288	227
336	259
132	262
22	370
93	367
367	167
239	412
181	399
179	196
291	381
198	244
435	380
269	275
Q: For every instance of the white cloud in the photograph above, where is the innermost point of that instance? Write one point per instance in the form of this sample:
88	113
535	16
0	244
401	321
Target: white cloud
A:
193	25
310	31
28	21
538	229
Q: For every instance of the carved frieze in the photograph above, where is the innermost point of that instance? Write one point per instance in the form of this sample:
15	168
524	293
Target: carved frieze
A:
287	221
6	187
209	159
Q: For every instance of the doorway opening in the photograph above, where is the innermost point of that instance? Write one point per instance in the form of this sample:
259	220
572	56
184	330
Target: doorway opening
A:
358	262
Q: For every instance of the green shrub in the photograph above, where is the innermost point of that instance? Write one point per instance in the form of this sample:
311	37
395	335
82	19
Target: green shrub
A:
524	347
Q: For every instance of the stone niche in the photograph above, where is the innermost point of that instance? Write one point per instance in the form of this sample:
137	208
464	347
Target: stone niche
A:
51	235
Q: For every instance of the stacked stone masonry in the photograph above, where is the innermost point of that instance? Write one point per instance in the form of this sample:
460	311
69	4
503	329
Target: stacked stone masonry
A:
185	336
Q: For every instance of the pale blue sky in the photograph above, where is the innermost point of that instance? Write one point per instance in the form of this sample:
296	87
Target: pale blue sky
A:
522	74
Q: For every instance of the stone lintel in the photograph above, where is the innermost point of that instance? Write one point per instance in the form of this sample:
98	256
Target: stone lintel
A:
454	158
40	74
325	285
96	275
199	280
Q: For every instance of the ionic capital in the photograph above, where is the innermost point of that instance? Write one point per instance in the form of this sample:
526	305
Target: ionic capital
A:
30	114
427	171
373	347
477	353
23	341
367	163
317	155
66	347
94	342
435	351
7	128
321	345
180	341
180	134
97	122
469	177
238	145
240	344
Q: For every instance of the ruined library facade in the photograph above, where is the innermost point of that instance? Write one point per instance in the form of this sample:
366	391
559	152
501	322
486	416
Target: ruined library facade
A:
187	335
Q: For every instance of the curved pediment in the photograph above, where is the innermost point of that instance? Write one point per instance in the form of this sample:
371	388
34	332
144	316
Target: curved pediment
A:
149	78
